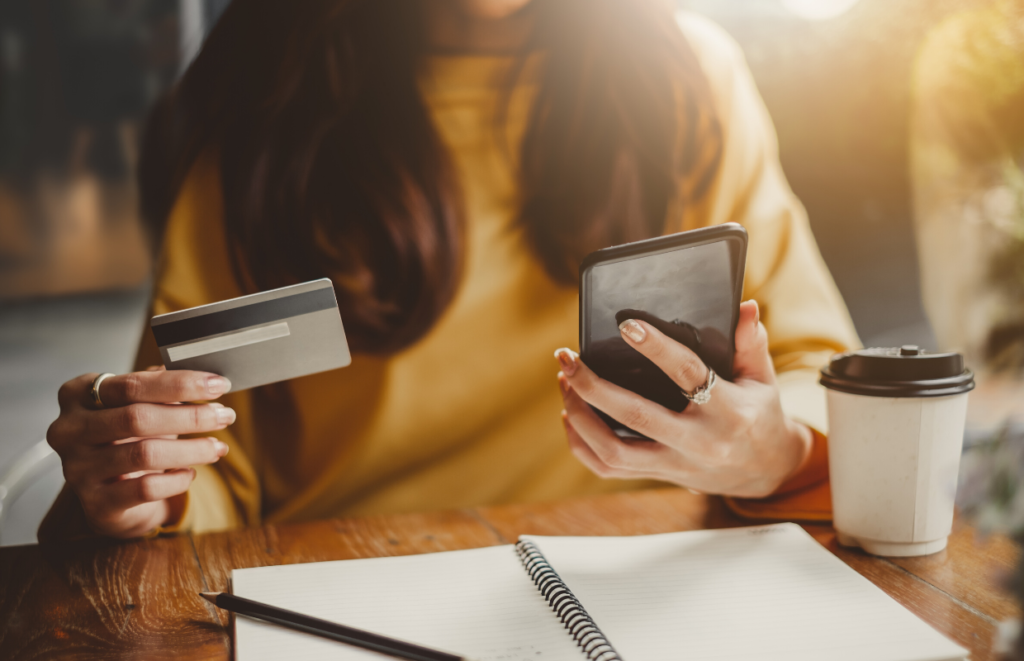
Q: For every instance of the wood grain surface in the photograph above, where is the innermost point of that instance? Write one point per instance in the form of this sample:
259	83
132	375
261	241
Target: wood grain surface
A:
106	600
99	599
968	568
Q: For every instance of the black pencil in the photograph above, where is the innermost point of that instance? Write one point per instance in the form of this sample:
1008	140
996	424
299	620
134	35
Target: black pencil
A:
325	629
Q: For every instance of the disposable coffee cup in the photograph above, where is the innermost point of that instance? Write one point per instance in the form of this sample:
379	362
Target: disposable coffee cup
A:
896	426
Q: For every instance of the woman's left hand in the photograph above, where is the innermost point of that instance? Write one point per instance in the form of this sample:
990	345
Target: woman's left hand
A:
740	443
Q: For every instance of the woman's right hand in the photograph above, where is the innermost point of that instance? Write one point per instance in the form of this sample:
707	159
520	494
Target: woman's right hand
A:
125	461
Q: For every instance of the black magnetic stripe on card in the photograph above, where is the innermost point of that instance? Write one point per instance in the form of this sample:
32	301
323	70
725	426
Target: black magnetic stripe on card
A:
225	321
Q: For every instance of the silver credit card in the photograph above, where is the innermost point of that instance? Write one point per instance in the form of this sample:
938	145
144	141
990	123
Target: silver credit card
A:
258	339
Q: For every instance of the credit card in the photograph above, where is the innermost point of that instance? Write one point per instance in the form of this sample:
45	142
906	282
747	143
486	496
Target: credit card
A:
258	339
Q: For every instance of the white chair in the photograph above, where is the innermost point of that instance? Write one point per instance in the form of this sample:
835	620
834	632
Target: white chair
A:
26	469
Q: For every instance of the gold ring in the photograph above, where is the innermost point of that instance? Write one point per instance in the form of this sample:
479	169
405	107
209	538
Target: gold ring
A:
702	393
96	389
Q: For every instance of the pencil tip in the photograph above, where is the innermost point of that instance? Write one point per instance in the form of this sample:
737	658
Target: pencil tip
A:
209	596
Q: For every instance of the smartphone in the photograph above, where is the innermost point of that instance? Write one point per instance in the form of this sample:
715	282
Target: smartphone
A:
688	285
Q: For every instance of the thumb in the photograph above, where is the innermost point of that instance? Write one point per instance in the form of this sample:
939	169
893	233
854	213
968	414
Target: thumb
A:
752	360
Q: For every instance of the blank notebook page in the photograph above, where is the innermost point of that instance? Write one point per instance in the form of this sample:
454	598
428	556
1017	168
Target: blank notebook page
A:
478	603
768	593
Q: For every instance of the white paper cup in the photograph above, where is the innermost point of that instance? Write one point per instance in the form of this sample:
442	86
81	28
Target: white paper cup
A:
896	423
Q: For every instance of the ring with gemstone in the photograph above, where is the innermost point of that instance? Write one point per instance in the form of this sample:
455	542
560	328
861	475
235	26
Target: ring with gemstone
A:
702	393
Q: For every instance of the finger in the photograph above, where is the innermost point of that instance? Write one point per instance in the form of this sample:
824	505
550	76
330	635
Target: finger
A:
649	418
589	458
89	464
675	359
752	360
633	459
152	454
150	420
124	494
160	387
76	392
583	453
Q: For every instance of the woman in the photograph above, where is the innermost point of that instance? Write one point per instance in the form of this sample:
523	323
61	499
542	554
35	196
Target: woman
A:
449	163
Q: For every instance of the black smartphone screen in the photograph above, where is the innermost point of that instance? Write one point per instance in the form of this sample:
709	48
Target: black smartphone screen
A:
687	285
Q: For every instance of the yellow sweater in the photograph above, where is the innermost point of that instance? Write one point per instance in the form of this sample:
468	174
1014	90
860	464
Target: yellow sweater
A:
469	415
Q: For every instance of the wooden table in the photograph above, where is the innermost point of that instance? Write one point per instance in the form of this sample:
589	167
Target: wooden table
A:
104	599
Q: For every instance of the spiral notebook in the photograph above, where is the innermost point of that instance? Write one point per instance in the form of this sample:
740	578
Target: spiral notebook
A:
767	593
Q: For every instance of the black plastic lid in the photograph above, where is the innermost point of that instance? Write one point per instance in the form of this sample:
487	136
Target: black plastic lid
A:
904	372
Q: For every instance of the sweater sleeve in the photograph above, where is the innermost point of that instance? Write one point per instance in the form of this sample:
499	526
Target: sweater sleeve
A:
801	307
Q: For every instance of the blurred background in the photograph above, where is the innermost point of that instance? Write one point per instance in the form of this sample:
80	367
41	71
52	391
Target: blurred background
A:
848	84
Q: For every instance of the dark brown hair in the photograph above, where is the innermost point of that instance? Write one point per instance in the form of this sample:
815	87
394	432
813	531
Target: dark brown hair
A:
330	165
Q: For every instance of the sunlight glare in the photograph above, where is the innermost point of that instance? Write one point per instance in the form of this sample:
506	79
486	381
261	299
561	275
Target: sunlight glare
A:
818	10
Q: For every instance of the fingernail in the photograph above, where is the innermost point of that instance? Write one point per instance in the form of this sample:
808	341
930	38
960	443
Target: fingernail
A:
221	447
757	314
633	330
567	359
563	383
194	473
225	416
217	385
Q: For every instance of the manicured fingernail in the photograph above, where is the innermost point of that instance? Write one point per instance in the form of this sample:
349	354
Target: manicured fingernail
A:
567	359
757	314
563	383
633	330
217	385
225	416
221	447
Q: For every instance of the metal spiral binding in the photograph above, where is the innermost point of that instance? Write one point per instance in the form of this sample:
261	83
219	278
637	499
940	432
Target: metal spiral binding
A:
568	609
